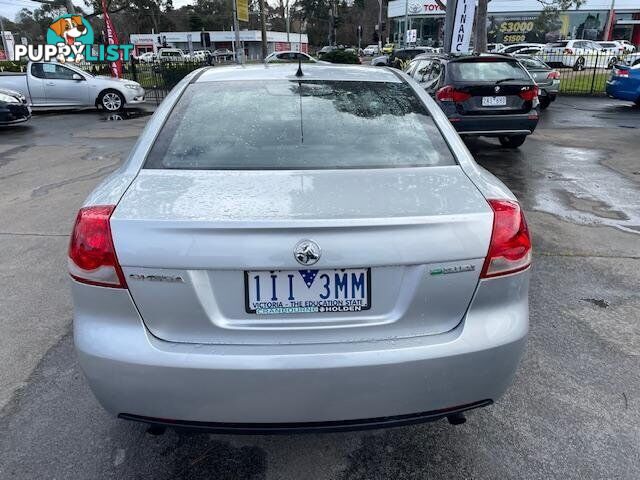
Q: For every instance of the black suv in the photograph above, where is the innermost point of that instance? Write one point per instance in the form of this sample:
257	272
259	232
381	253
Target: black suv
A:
484	95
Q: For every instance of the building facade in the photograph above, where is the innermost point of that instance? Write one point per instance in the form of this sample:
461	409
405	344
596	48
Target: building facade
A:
251	41
522	21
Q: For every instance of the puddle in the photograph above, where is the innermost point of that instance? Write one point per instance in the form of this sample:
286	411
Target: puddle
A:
125	115
567	182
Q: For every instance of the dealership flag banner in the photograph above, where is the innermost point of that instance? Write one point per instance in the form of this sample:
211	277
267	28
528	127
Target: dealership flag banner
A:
462	26
242	9
112	39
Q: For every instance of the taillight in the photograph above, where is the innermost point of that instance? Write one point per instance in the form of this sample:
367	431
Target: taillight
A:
568	51
510	247
620	72
92	258
450	94
554	75
530	94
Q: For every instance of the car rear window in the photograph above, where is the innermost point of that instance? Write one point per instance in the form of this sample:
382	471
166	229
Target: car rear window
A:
307	124
486	70
532	62
557	44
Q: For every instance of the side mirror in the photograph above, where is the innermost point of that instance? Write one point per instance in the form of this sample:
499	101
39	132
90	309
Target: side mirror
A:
77	77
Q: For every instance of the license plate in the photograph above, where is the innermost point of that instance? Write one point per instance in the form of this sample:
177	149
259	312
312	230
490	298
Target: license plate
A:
494	101
307	291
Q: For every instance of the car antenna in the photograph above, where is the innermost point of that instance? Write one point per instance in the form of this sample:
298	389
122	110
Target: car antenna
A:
299	72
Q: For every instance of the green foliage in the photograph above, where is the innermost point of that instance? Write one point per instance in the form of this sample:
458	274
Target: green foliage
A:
11	66
341	56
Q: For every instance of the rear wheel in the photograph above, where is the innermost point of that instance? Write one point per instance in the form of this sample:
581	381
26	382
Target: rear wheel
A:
512	142
544	102
579	65
612	62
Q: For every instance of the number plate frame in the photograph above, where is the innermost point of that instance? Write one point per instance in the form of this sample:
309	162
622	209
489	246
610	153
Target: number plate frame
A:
492	101
318	310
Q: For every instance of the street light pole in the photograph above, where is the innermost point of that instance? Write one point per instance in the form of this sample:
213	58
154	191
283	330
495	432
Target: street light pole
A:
406	22
380	27
236	28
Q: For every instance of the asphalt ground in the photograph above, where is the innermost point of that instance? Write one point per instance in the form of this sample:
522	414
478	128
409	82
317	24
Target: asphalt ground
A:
574	408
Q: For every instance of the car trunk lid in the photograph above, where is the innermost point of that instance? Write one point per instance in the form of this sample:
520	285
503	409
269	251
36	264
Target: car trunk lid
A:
186	238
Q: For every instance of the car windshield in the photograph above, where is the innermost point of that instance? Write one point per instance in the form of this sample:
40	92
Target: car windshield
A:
487	71
250	125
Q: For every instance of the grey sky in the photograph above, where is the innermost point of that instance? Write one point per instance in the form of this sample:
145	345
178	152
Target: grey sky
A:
9	8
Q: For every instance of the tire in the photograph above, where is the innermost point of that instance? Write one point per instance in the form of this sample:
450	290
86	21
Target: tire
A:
111	100
544	102
612	63
579	65
512	142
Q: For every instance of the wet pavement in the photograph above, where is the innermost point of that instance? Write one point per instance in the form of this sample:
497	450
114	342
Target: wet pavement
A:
573	411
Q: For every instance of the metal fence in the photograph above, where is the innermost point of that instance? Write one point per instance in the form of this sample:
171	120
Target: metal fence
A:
585	74
156	78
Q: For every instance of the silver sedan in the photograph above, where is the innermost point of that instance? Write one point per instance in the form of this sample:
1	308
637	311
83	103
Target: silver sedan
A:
292	249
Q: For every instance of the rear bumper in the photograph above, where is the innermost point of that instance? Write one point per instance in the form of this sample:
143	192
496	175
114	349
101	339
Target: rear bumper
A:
623	89
323	386
496	125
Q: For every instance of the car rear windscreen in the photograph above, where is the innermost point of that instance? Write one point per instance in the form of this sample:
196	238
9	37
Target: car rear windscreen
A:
483	70
308	124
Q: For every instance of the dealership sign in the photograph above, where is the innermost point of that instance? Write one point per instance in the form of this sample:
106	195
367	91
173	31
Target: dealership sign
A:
462	26
414	7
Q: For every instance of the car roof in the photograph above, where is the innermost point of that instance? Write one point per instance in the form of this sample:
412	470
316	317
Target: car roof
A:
287	71
286	51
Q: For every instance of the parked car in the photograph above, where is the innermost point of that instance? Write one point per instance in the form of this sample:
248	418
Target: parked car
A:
171	55
326	49
547	79
53	85
371	50
197	304
631	59
13	107
147	57
223	54
618	47
518	47
628	46
388	48
289	56
624	83
418	68
399	57
488	95
200	55
577	54
495	47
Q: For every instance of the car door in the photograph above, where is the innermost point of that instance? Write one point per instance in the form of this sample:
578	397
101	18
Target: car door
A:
61	89
35	80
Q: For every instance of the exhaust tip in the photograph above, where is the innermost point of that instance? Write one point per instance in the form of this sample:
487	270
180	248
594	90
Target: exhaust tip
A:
156	430
456	419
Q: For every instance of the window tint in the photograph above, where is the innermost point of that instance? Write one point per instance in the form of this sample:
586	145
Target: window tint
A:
486	71
558	44
37	71
307	124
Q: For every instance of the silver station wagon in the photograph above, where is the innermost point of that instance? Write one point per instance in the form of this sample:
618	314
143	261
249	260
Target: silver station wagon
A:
299	249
